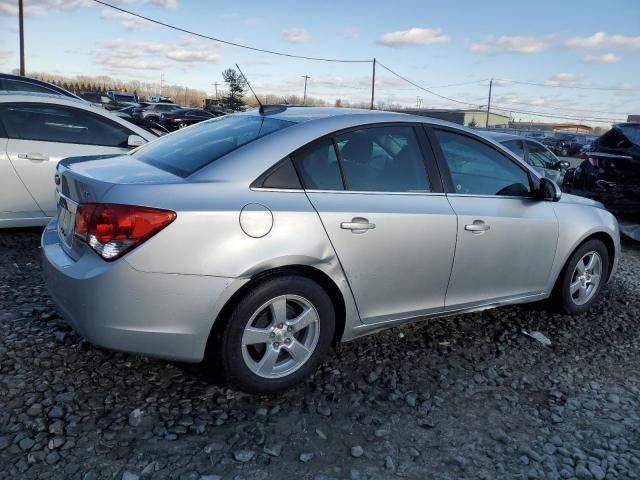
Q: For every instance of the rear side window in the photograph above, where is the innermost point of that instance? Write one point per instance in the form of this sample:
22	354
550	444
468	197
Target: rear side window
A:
18	86
56	123
515	146
284	176
382	159
478	169
186	151
318	166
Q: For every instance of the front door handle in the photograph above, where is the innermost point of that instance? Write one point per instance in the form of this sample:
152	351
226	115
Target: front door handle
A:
477	227
34	156
358	225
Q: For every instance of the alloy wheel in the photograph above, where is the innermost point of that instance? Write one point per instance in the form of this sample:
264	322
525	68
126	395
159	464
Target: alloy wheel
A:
280	336
586	278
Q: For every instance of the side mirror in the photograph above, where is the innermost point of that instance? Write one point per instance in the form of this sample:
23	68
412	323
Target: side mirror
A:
549	190
135	141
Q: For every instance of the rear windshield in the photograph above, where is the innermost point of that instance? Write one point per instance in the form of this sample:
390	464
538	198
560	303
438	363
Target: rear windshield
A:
188	150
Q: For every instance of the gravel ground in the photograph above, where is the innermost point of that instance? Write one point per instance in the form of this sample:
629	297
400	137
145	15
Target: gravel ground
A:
464	397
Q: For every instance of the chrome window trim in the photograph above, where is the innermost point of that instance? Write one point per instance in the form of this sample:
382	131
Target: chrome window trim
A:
353	192
268	189
491	196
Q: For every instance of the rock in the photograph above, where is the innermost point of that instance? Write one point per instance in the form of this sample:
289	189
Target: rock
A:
56	427
582	473
357	451
210	477
306	457
213	447
411	399
26	443
596	471
549	449
127	475
243	456
4	442
321	434
56	412
389	464
273	450
324	410
135	417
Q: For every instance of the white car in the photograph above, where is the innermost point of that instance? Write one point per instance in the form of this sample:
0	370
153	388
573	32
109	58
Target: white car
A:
36	132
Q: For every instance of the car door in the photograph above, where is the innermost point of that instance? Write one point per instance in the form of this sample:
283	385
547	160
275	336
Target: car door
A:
15	200
506	238
386	215
41	134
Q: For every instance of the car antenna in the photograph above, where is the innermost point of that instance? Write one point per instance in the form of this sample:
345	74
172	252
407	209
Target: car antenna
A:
264	109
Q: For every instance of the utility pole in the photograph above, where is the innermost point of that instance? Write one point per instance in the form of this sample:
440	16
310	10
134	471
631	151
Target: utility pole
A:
373	83
486	123
161	82
21	24
304	98
215	84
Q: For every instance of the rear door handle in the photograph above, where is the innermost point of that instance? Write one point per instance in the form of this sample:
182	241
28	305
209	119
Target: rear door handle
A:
34	156
477	227
358	225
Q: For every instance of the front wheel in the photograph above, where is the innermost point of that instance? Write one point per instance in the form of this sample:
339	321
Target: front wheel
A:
583	278
277	335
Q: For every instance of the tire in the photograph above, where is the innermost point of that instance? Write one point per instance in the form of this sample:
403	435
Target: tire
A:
251	366
575	293
182	125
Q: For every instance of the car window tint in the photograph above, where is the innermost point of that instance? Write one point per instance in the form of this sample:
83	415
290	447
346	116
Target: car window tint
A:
516	146
284	176
539	156
188	150
18	86
382	159
56	123
478	169
318	166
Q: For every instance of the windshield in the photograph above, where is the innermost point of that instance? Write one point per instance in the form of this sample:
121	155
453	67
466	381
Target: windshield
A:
188	150
125	98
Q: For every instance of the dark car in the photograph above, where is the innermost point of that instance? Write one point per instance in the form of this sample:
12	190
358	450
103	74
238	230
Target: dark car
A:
184	117
565	144
16	83
610	172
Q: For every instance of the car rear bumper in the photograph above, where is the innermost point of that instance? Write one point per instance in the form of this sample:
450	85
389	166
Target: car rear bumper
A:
115	306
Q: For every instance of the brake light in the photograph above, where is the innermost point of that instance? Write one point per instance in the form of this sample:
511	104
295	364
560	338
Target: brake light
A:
112	230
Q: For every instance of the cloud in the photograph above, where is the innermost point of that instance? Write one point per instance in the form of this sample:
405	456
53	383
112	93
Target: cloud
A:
564	80
122	55
40	7
296	35
504	44
602	40
604	58
413	37
129	22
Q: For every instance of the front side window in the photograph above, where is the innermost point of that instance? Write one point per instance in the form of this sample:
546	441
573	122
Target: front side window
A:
318	166
478	169
382	159
56	123
540	156
188	150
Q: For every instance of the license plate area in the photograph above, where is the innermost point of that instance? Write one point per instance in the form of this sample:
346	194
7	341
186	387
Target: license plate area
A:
66	218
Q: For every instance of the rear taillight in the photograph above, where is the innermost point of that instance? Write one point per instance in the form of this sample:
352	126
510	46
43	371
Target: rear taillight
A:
113	230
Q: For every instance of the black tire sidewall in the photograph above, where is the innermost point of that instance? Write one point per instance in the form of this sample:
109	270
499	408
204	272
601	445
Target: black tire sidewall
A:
236	371
564	294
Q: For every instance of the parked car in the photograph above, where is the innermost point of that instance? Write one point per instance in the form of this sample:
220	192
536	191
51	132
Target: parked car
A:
36	131
535	154
98	99
159	99
565	144
152	111
610	172
16	83
256	240
183	117
122	99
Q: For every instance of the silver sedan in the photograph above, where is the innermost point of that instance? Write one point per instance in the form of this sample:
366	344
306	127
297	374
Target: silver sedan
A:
255	241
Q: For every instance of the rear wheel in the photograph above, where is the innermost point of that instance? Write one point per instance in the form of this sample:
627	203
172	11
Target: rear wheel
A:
583	278
277	335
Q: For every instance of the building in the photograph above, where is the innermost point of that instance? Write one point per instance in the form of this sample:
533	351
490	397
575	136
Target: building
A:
633	118
552	127
472	117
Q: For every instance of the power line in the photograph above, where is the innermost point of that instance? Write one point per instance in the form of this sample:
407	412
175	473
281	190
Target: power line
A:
570	109
420	87
226	42
550	115
576	87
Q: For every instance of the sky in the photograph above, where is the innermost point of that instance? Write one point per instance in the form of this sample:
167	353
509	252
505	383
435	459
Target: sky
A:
451	48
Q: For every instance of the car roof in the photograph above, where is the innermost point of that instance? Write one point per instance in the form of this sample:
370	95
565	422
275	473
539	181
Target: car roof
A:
502	137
